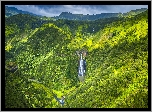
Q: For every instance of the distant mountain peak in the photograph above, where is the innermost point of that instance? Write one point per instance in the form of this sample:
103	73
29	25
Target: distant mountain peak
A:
10	11
70	16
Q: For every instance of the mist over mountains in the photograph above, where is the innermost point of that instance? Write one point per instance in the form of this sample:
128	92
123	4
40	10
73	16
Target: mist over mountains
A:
70	16
10	11
67	15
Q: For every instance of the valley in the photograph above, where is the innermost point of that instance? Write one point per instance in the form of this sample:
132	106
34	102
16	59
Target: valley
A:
41	61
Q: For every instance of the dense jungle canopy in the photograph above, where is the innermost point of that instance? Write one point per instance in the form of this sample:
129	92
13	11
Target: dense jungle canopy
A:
41	61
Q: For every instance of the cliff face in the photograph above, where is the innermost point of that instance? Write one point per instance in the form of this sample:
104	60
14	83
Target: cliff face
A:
70	16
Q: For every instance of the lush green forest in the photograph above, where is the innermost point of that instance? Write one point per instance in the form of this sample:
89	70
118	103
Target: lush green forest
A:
41	61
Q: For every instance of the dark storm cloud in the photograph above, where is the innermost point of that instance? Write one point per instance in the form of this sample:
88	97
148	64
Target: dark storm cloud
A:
55	10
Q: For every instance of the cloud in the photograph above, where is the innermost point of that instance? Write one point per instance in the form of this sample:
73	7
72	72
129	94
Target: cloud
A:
55	10
127	8
34	9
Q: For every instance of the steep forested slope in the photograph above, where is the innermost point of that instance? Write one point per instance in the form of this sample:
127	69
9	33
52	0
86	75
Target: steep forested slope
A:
46	65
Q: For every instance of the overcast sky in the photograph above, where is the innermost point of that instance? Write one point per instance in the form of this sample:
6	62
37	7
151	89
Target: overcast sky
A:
55	10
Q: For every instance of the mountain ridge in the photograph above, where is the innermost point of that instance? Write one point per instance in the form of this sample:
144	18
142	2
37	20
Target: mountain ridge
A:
117	64
10	11
70	16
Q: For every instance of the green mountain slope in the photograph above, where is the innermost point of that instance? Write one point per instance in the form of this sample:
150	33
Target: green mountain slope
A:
132	13
117	67
46	62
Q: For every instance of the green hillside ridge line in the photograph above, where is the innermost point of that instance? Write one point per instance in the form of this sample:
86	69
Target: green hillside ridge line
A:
42	58
22	40
25	38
